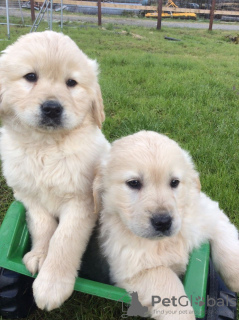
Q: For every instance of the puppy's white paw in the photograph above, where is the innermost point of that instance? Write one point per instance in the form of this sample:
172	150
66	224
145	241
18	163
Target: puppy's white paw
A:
51	290
34	259
233	283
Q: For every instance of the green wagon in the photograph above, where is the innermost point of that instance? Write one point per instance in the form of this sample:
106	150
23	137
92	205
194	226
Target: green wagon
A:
209	296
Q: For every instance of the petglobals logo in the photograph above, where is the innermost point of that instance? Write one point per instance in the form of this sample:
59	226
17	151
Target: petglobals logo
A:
174	305
184	301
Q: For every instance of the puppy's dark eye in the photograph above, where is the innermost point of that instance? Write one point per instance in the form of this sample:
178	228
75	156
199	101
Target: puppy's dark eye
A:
134	184
31	77
174	183
71	83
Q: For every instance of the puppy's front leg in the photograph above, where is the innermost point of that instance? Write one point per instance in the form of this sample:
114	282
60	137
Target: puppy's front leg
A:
225	250
55	282
41	226
163	293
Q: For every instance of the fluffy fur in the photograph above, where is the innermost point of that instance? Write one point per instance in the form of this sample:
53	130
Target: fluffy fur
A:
149	260
52	110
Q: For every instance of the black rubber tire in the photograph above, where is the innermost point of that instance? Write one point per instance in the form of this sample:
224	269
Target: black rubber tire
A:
225	308
16	297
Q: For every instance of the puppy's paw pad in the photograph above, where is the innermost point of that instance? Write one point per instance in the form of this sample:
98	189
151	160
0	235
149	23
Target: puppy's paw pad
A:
50	295
33	260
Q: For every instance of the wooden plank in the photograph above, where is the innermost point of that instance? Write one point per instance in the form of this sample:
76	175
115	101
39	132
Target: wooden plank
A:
103	4
186	10
227	13
75	3
146	8
222	12
127	6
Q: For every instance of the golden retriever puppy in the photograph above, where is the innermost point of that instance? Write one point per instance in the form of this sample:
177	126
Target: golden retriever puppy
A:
52	110
153	215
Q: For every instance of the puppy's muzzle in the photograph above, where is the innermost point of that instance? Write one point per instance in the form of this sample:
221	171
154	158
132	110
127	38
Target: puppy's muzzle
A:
51	113
162	223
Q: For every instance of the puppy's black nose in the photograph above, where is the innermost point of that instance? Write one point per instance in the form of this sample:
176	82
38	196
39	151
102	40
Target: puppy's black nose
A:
52	109
161	222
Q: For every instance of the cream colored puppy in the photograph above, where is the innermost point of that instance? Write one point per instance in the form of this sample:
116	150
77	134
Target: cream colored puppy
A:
153	216
52	110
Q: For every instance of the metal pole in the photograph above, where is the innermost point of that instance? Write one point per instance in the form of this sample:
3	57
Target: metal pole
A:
51	14
19	2
212	14
99	12
61	15
159	20
40	16
8	23
32	10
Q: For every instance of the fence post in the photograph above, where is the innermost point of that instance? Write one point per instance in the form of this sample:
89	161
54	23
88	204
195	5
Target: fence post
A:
160	5
8	23
61	15
32	10
99	12
212	14
51	14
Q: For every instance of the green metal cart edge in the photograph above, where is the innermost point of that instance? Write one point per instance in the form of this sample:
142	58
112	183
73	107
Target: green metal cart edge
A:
15	242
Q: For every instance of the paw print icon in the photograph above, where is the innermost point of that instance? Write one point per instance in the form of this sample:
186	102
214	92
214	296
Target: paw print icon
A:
200	301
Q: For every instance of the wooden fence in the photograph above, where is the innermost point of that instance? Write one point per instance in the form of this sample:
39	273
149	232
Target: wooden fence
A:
212	12
144	8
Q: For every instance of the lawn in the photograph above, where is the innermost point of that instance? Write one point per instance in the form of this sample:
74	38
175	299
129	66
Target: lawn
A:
188	90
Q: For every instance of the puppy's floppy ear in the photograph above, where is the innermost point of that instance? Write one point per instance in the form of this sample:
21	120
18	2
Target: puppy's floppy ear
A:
197	182
98	191
98	107
97	103
1	109
194	174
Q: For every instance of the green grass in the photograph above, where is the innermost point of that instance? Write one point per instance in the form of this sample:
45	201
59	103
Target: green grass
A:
188	90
